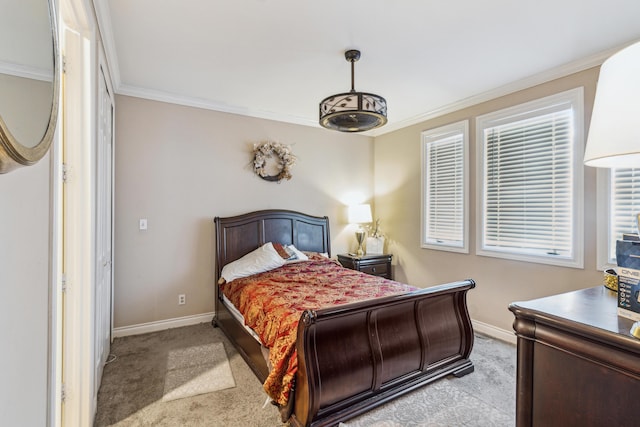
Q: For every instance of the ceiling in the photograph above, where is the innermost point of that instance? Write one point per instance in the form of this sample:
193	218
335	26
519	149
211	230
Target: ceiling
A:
277	59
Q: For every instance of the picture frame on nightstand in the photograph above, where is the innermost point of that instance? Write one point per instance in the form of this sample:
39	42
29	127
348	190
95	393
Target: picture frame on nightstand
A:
375	245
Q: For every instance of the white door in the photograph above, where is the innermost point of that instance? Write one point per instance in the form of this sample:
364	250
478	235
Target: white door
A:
104	226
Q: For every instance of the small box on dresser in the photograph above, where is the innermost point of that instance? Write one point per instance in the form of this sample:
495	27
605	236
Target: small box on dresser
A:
377	265
628	260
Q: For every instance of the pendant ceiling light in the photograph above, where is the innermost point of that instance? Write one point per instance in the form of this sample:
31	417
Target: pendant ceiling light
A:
353	111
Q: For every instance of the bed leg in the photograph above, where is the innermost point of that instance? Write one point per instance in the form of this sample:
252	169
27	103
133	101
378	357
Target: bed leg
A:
464	371
214	323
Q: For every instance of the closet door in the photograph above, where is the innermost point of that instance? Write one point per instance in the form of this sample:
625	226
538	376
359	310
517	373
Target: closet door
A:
104	226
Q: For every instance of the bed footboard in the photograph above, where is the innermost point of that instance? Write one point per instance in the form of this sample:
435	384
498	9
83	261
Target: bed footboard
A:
354	357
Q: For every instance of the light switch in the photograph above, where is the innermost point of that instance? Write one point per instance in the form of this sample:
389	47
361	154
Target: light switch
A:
143	224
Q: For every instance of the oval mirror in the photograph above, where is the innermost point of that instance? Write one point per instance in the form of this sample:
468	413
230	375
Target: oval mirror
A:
29	81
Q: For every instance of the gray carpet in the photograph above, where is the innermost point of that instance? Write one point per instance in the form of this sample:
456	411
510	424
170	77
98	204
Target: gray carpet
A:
483	398
133	385
197	370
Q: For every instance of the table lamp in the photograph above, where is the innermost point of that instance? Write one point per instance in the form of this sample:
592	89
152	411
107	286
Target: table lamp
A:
360	214
614	134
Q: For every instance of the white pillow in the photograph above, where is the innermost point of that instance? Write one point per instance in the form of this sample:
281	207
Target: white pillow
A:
297	255
263	259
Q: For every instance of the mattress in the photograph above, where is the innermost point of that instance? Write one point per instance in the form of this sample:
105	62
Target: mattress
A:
239	317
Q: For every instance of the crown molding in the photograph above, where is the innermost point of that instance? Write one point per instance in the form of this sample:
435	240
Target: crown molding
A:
26	72
156	95
525	83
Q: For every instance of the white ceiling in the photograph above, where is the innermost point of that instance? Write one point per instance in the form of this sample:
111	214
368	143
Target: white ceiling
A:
277	59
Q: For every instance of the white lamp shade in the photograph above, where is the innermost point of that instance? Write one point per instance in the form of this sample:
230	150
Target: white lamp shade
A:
614	133
359	214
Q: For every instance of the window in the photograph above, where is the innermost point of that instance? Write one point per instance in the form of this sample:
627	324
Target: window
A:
619	205
530	181
445	180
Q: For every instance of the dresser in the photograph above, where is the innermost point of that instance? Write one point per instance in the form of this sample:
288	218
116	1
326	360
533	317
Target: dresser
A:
578	365
377	265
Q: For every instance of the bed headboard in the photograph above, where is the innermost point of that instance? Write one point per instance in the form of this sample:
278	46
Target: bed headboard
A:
236	236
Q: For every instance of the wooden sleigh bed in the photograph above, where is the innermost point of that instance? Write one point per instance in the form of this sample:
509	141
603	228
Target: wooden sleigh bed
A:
355	356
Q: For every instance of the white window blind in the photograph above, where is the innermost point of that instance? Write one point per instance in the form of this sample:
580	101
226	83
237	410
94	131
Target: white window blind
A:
528	182
445	188
624	205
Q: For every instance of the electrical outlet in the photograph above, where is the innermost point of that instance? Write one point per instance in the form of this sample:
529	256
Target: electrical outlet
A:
182	299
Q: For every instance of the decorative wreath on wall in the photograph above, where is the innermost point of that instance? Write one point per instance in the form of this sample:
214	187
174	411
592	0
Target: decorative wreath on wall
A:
282	154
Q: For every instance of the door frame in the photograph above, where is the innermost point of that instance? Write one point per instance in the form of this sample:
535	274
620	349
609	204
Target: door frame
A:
103	75
76	219
104	67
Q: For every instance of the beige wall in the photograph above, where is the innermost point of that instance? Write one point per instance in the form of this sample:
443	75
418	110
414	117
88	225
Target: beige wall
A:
179	167
499	282
24	258
22	97
24	284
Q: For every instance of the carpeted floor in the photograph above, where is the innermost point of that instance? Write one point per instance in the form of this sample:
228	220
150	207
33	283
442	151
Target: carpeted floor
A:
483	398
131	393
134	383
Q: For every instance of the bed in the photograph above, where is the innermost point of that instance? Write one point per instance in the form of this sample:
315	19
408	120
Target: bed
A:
350	357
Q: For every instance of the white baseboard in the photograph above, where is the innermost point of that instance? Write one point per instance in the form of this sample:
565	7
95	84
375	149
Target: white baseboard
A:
161	325
494	332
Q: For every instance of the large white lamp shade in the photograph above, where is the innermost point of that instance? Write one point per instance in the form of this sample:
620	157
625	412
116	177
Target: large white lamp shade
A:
614	133
360	214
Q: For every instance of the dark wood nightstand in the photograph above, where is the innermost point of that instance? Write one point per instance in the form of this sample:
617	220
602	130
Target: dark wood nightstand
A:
377	265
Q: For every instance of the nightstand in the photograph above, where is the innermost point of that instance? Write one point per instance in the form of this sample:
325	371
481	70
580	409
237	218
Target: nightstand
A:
377	265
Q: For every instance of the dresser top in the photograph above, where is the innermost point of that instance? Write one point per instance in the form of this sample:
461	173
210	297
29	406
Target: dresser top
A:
594	311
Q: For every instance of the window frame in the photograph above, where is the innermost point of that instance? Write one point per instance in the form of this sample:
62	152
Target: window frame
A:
573	98
432	136
604	220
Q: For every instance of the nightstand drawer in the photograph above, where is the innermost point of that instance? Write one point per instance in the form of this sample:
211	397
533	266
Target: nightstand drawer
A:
375	269
376	265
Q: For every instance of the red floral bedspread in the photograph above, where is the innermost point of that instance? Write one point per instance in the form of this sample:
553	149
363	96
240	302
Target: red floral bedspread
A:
273	302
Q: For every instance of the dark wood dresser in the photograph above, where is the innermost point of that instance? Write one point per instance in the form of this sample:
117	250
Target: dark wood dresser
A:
377	265
578	365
